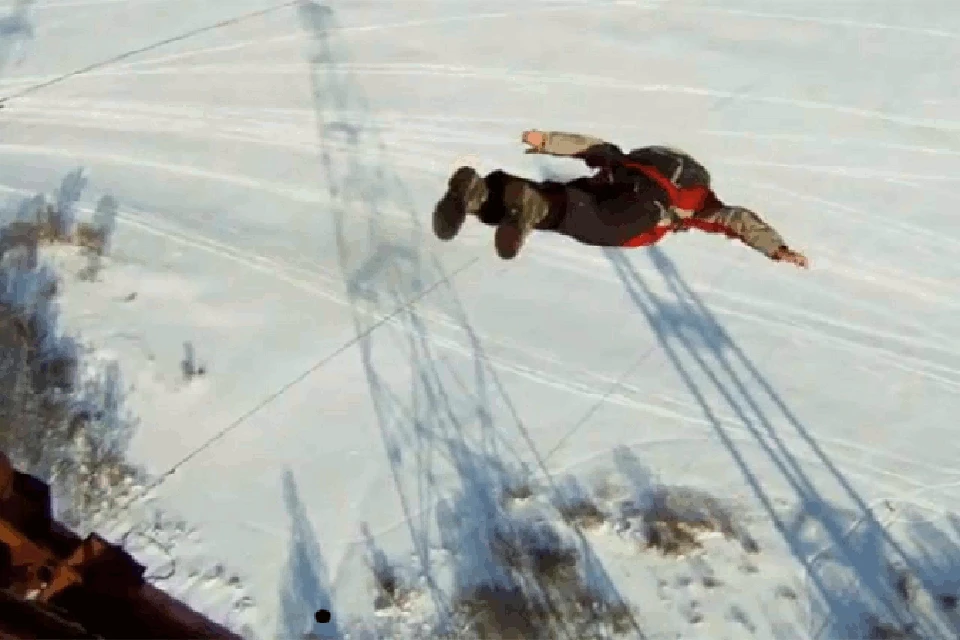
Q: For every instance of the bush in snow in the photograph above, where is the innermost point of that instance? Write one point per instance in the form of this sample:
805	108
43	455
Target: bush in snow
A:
58	423
521	572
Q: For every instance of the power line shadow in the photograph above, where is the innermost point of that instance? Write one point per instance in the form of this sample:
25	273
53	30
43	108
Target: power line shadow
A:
856	542
15	30
305	586
450	431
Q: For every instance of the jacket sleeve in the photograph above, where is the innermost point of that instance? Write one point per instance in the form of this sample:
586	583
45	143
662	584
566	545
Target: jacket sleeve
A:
594	151
740	223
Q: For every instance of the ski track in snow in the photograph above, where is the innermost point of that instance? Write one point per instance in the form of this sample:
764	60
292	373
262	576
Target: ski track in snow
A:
419	143
503	74
306	280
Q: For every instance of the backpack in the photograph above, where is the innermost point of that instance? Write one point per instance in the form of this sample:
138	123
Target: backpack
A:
686	181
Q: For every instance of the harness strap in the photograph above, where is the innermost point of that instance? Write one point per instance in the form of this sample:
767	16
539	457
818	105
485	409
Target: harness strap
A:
686	198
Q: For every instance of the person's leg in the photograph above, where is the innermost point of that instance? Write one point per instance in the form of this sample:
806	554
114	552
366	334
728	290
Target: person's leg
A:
497	205
610	221
514	205
589	212
527	205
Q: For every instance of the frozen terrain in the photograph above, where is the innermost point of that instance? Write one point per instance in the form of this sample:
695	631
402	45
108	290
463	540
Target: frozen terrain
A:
373	402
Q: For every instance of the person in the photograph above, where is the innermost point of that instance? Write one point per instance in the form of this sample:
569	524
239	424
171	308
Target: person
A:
633	199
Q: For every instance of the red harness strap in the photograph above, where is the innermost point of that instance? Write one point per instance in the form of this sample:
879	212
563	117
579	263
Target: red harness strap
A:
694	199
647	238
688	198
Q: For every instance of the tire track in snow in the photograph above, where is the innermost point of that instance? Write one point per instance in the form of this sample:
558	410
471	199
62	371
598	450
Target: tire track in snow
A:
100	64
532	78
248	130
203	127
429	122
897	177
314	196
590	267
291	192
603	82
399	122
549	7
262	136
268	135
500	15
70	4
941	292
303	279
912	230
859	25
282	271
831	140
543	377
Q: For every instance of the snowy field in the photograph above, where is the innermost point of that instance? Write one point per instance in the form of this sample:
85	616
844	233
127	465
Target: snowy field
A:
376	403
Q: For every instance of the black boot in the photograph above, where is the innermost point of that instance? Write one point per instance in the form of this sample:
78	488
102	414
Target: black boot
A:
466	193
526	208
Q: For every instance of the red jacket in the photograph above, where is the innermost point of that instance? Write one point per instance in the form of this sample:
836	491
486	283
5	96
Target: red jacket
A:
696	199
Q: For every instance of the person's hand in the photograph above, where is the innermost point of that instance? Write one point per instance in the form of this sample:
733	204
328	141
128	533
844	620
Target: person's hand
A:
783	254
535	139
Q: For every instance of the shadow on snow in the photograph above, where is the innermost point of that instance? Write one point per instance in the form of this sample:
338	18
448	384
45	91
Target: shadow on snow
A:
306	585
442	420
857	576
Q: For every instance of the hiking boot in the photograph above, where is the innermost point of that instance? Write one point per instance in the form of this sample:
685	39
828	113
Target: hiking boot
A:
466	193
526	208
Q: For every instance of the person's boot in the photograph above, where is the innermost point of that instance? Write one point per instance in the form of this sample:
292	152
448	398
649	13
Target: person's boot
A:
466	193
526	208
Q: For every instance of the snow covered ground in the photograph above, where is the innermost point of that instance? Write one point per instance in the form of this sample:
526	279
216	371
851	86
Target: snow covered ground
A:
369	394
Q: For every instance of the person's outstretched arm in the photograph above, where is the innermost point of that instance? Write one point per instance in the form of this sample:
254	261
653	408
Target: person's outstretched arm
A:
594	151
746	226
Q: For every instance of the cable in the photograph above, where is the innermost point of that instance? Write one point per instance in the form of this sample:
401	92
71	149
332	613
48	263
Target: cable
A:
301	377
149	47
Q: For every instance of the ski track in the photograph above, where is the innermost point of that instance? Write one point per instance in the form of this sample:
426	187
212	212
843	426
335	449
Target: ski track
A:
247	125
923	32
423	122
315	196
261	133
550	7
689	420
530	78
45	5
912	230
409	161
399	123
686	420
243	128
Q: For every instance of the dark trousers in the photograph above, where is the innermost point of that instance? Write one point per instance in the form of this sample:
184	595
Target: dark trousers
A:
584	209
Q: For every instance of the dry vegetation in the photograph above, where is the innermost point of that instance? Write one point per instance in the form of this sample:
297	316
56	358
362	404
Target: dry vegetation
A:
52	424
679	518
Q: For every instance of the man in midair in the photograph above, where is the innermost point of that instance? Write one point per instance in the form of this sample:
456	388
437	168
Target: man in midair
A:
633	200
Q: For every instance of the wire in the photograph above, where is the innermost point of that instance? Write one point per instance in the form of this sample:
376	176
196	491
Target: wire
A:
304	375
123	56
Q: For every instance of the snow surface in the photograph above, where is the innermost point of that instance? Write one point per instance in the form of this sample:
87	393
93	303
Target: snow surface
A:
365	381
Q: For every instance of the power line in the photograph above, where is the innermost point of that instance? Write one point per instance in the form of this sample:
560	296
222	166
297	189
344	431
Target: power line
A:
305	374
150	47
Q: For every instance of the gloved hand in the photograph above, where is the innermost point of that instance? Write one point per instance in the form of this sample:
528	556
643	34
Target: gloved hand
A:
784	254
535	139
